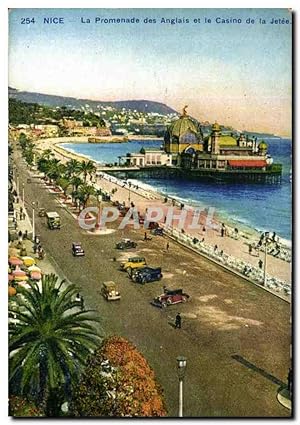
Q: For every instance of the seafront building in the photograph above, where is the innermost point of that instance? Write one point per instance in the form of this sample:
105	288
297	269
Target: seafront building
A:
218	156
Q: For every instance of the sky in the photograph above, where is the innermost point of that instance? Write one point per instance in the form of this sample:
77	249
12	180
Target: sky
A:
238	74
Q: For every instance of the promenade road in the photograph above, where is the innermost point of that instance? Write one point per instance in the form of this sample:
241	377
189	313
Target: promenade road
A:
236	336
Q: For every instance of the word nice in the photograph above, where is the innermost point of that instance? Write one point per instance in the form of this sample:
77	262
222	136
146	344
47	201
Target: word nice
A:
192	218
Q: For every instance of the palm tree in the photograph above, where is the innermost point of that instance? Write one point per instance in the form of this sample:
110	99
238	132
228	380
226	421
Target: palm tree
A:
50	338
73	168
75	182
64	183
84	193
87	167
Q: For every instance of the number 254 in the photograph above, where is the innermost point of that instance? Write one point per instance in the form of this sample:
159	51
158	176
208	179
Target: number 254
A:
27	21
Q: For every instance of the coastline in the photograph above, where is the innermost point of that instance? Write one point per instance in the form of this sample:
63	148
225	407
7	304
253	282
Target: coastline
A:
145	197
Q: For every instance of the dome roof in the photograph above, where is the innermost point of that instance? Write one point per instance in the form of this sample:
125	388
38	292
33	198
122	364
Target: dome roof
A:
225	140
184	125
262	145
216	127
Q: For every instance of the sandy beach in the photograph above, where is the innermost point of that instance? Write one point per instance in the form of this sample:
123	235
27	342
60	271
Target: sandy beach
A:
142	199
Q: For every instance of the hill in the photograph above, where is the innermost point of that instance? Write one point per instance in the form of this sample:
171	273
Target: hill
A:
71	102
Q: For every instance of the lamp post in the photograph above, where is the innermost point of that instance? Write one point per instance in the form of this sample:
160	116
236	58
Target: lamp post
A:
33	221
129	186
23	194
181	363
267	240
18	183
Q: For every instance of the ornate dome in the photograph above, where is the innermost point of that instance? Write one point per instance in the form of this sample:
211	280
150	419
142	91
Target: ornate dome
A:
263	145
186	130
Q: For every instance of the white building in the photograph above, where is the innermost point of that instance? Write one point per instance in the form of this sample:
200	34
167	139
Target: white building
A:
148	158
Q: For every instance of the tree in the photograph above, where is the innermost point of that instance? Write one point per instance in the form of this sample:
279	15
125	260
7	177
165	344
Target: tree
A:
87	167
73	168
84	193
64	183
117	381
49	341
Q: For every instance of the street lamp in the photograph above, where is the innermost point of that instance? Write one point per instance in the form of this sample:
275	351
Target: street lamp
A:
181	363
33	221
23	194
267	240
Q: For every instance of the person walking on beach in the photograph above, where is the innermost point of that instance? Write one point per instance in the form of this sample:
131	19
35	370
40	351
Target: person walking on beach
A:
167	246
178	321
250	249
223	230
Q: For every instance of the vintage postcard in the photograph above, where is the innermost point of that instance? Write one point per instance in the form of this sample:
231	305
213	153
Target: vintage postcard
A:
149	213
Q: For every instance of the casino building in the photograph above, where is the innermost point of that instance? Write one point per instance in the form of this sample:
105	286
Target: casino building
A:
190	150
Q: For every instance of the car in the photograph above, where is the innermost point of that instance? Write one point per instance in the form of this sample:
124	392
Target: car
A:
77	250
133	263
109	291
42	212
147	274
159	231
169	297
126	244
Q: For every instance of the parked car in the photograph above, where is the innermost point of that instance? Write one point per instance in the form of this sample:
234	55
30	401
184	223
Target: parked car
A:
77	250
169	297
159	231
126	244
42	212
133	263
109	291
147	274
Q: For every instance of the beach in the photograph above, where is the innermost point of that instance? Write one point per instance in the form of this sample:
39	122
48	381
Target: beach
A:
231	244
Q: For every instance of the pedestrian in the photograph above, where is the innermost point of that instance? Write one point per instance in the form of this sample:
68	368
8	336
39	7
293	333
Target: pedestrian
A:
178	321
250	249
274	237
216	248
260	264
164	289
20	235
145	237
167	246
223	230
203	229
82	303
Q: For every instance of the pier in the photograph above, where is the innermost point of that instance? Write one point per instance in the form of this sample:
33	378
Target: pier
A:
272	174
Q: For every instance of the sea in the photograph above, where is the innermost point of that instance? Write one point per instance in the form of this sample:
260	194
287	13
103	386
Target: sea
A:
263	207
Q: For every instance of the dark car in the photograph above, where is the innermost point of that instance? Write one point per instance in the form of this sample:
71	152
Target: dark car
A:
126	244
147	274
169	297
77	250
158	231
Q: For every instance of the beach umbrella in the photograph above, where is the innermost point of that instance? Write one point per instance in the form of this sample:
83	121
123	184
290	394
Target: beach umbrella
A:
11	291
24	284
15	261
21	279
34	269
35	276
10	277
19	273
28	261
